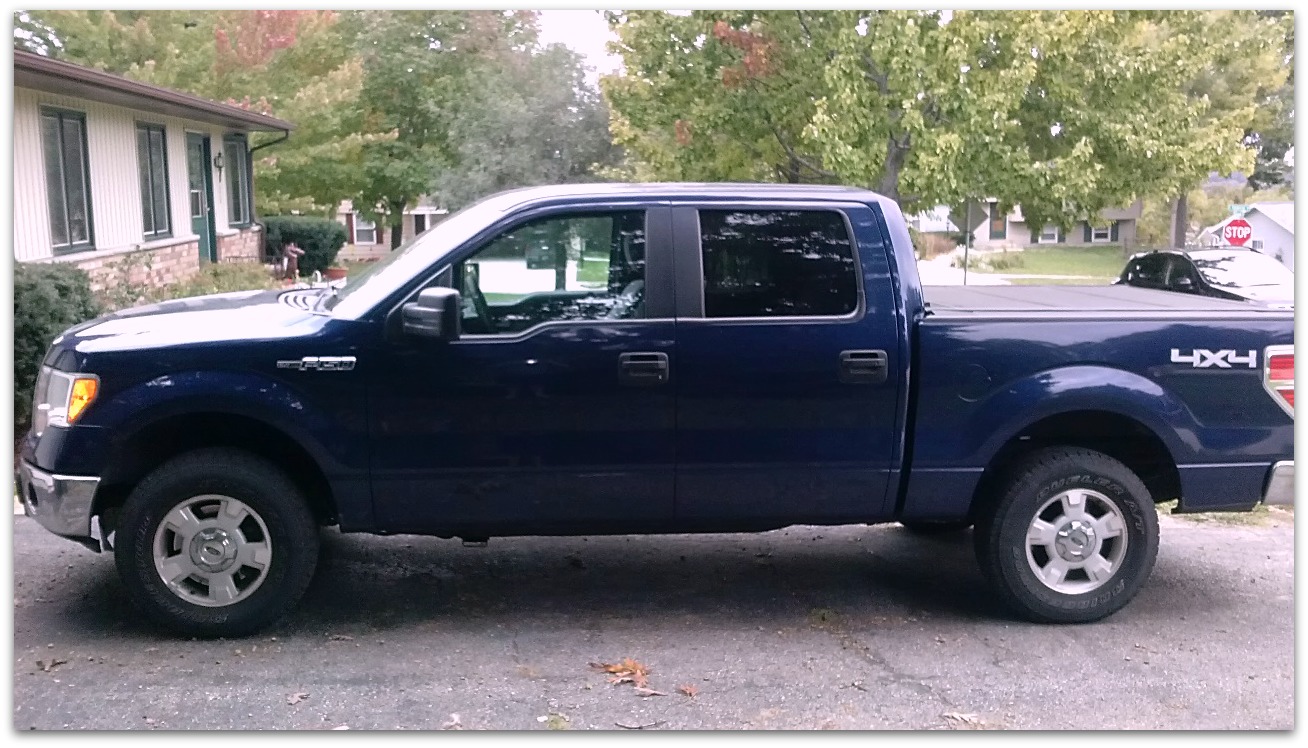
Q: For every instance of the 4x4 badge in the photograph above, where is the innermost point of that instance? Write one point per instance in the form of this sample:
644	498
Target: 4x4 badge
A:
319	363
1202	358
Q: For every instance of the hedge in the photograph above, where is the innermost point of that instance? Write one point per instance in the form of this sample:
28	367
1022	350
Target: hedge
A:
320	238
48	299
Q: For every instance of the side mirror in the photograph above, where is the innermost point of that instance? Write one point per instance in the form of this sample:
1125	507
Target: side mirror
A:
436	314
1184	282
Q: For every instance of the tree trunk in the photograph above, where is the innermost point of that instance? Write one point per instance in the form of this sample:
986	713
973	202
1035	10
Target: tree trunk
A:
397	229
896	155
1180	219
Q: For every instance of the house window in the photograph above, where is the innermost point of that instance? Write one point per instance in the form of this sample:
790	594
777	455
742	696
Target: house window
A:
1049	235
152	160
365	232
236	154
419	223
998	223
1101	234
67	179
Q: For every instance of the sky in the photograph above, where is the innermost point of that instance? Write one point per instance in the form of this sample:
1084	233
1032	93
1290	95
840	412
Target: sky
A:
585	31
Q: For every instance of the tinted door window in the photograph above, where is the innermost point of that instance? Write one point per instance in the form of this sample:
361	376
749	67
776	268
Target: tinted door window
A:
569	267
777	263
1147	272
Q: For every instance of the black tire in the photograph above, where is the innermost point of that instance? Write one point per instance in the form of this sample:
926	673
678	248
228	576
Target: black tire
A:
1048	485
282	562
936	528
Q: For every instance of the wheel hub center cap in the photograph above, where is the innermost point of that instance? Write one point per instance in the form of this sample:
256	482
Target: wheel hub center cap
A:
1076	541
213	550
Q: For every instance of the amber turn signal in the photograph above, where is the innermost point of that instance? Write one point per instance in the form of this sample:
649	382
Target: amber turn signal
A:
84	392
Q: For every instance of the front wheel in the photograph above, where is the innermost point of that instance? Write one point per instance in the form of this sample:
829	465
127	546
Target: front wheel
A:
216	542
1071	538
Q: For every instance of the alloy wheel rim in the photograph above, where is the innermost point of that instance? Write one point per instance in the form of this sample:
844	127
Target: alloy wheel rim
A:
1076	542
212	550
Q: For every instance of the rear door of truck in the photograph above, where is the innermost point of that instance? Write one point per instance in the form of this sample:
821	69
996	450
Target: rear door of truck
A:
789	367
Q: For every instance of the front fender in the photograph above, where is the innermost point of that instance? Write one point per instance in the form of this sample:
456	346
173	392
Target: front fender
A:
323	432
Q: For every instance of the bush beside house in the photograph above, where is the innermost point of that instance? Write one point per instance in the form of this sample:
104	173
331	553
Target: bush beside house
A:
320	238
48	299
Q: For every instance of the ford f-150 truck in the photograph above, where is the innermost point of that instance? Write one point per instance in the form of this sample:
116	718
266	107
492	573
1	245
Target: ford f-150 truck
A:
657	358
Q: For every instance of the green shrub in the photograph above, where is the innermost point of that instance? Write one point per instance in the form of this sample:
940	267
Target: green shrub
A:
320	238
929	245
221	278
48	299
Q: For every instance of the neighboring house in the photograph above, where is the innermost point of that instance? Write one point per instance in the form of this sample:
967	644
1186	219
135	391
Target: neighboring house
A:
1114	227
111	171
934	221
999	230
1273	230
368	240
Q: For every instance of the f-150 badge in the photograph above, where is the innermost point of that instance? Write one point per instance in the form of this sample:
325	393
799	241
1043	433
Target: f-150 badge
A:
1202	358
319	363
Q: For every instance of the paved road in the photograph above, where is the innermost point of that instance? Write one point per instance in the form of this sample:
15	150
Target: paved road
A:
804	628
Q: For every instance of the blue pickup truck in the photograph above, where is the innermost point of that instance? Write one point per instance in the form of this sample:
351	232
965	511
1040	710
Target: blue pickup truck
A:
689	358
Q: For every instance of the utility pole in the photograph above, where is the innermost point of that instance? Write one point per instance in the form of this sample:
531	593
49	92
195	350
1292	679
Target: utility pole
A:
967	241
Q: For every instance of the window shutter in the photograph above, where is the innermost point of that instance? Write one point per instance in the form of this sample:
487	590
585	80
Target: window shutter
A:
1113	229
1062	235
1086	231
349	226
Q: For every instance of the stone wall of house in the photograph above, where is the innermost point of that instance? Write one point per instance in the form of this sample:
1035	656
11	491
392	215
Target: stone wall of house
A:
152	267
244	246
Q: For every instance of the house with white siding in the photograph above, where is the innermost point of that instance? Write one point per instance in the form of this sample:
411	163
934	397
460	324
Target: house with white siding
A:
1272	225
110	172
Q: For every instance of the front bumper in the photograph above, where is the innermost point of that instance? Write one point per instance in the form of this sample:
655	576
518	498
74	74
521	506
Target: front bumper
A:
61	503
1280	484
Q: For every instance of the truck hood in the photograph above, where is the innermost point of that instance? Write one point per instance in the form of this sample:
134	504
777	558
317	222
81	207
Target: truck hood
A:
238	316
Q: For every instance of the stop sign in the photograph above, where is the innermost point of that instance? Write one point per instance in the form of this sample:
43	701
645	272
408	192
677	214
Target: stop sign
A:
1237	232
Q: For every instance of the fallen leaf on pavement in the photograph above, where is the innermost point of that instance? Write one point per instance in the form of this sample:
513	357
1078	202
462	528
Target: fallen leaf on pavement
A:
627	671
639	727
340	638
689	690
966	721
51	665
648	692
341	727
296	698
452	723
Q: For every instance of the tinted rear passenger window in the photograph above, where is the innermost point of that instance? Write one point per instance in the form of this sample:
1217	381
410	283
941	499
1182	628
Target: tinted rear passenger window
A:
777	263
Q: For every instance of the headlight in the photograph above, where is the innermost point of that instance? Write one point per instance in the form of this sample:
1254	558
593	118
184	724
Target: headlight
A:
61	398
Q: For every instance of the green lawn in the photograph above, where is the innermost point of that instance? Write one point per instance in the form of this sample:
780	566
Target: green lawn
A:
595	271
1096	262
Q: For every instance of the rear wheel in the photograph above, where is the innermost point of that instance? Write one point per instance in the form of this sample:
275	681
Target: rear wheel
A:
1071	538
216	542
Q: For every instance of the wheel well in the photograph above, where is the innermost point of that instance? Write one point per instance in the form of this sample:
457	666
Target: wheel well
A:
1124	439
161	441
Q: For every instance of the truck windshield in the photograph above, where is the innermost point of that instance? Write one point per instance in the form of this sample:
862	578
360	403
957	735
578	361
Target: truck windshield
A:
364	289
1241	269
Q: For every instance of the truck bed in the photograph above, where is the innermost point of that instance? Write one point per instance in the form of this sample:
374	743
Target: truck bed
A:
1106	300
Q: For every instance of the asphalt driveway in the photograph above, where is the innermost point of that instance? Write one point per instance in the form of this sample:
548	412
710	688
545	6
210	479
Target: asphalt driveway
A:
805	628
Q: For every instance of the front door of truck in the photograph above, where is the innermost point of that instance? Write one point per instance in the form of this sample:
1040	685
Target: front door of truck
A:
789	368
554	410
